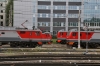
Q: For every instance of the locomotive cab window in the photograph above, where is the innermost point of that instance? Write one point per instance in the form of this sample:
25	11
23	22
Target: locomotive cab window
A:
22	32
87	33
2	32
80	34
61	33
47	34
37	33
74	34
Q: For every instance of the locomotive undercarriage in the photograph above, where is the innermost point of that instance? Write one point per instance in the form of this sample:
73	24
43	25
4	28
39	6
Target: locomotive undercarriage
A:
63	42
84	44
24	44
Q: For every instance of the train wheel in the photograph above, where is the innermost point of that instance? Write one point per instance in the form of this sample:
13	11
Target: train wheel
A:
75	45
44	42
83	44
63	42
90	45
31	45
94	45
23	45
13	45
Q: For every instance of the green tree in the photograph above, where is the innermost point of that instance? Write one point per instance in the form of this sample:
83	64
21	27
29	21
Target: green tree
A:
9	11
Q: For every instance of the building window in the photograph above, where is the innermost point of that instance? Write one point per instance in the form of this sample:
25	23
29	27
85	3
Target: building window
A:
73	15
1	16
59	7
43	15
61	24
47	7
74	0
74	7
1	23
43	7
47	15
59	0
40	15
44	24
2	32
0	4
63	15
73	24
1	11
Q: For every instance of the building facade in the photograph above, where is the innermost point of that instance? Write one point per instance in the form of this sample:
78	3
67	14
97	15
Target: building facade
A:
54	15
23	10
3	4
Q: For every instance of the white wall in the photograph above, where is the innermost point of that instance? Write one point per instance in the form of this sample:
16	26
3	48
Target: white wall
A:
23	10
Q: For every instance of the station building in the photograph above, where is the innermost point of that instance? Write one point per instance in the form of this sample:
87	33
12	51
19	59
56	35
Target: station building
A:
3	4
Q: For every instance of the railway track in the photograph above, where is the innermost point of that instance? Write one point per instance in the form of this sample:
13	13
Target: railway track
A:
47	58
49	46
53	56
55	64
39	60
11	50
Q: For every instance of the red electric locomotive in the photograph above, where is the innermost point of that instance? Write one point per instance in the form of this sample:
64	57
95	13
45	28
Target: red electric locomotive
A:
23	37
91	38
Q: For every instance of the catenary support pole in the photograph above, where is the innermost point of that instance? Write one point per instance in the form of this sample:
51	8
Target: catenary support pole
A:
79	30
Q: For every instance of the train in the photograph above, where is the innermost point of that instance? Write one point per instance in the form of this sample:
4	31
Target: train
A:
33	38
24	37
87	38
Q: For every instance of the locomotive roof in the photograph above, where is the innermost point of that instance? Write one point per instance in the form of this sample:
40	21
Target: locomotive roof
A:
15	29
21	30
85	31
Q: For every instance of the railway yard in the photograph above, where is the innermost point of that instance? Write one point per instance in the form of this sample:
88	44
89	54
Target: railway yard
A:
51	55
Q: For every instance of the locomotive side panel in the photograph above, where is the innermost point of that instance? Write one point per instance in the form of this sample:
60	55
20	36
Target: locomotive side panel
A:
35	36
91	38
73	36
95	37
32	36
24	34
9	36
